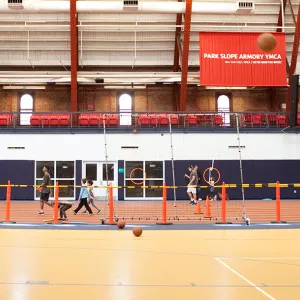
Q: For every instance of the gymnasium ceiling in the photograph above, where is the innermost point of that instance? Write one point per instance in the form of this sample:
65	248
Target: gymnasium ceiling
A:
120	47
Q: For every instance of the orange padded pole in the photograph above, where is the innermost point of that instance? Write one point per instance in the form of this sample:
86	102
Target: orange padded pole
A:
8	195
56	203
164	206
277	201
223	203
278	209
111	203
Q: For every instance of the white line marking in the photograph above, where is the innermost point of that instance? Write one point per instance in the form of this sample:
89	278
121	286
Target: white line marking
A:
260	258
19	224
245	279
268	224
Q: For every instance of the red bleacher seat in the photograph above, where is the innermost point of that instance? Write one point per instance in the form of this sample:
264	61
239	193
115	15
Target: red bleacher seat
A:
64	120
298	119
163	119
218	120
6	119
281	120
94	120
113	120
45	119
143	120
84	120
247	120
102	119
174	119
272	119
35	120
256	120
154	120
54	120
202	119
191	119
205	119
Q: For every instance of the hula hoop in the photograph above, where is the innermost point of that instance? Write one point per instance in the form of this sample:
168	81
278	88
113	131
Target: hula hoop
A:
134	182
216	181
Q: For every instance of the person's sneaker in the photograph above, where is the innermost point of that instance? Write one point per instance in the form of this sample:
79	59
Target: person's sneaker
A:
191	202
194	203
99	211
91	214
75	213
83	212
41	213
200	199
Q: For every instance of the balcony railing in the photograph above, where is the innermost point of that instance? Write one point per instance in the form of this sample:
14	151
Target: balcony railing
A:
144	120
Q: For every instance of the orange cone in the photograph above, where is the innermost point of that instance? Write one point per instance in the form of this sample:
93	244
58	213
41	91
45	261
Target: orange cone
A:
207	211
198	209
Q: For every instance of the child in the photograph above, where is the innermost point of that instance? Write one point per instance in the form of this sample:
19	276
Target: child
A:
211	193
91	197
83	196
63	207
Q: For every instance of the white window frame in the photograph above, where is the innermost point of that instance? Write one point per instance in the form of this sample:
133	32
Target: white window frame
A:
125	114
28	111
224	111
144	179
52	195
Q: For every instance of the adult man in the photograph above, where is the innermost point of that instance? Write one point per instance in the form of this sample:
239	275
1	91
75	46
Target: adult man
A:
199	176
192	186
45	190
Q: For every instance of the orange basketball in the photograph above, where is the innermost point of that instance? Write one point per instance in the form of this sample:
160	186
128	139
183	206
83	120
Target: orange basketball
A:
137	231
266	42
121	224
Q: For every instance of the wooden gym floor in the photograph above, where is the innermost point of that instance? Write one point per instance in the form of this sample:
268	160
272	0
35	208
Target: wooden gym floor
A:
148	211
161	264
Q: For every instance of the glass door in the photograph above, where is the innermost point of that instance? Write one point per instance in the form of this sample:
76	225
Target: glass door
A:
96	171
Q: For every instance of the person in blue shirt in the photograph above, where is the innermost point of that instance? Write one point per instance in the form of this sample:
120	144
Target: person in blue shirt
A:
91	197
83	196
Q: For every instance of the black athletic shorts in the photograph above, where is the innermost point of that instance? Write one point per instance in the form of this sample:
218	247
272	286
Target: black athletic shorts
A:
45	196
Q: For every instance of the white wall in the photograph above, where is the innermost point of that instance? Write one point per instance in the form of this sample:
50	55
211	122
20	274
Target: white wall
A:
151	146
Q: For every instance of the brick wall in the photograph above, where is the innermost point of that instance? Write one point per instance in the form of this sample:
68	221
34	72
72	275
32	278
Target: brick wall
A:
158	98
52	99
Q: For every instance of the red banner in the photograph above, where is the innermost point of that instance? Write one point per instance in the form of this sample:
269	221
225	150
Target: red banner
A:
234	59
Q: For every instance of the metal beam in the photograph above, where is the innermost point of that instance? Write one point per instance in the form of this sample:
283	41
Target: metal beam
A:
185	54
292	12
177	60
294	58
175	96
280	26
280	18
74	56
177	46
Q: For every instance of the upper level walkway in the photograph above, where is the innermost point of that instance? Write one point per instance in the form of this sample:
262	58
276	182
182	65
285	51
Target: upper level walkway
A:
89	122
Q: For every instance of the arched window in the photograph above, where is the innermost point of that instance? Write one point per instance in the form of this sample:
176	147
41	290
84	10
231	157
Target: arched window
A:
26	109
125	109
223	107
